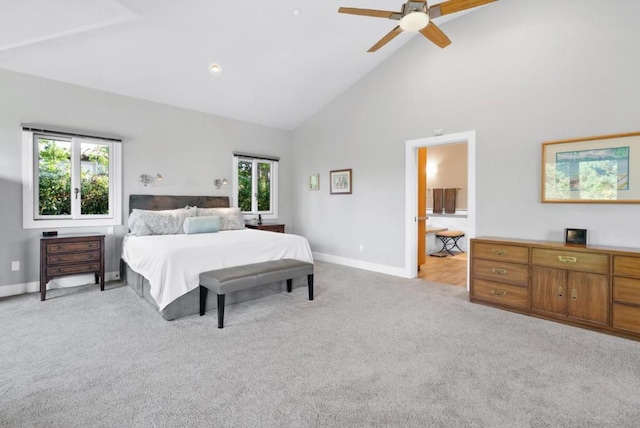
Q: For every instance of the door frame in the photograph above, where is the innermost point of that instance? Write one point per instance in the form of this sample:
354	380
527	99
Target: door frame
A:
411	192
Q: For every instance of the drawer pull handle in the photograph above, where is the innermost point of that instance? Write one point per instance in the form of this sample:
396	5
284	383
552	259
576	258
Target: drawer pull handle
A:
498	271
499	252
560	291
574	294
499	293
567	259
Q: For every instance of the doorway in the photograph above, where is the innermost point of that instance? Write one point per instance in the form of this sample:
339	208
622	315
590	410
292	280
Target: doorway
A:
411	195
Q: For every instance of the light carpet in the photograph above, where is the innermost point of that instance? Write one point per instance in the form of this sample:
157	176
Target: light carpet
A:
370	351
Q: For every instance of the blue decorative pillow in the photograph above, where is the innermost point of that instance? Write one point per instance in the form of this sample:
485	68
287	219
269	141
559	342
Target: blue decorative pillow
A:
209	224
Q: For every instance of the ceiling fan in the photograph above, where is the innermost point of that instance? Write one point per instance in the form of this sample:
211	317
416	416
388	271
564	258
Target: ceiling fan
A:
417	16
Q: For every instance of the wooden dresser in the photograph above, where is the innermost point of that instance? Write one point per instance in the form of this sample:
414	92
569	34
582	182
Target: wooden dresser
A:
592	287
271	227
71	255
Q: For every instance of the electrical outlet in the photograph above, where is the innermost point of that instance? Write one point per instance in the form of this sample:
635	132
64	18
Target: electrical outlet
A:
15	266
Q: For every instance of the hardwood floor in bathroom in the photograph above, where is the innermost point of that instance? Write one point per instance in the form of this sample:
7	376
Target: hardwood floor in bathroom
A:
446	270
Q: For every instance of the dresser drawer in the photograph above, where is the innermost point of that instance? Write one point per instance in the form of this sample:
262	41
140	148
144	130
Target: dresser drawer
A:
501	294
73	258
571	260
509	253
626	317
72	269
70	247
626	290
626	266
499	270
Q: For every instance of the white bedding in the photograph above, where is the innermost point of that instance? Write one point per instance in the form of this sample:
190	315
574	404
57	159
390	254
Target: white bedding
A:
172	263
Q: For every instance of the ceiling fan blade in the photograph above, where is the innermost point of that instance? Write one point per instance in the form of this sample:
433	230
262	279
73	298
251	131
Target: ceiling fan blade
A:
366	12
453	6
435	34
386	39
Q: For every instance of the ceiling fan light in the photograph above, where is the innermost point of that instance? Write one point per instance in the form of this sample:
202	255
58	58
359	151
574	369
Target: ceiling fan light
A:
414	21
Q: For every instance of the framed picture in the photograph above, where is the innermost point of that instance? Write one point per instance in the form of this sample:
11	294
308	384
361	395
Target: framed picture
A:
575	236
340	182
604	169
314	182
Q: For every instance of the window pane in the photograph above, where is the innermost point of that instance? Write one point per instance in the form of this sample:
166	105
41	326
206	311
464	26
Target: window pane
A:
244	185
54	177
264	186
94	178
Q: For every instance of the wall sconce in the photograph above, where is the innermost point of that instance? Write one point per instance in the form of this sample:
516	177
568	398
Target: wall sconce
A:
220	182
146	179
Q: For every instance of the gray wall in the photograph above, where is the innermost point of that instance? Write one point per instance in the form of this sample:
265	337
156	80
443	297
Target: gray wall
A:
519	72
189	149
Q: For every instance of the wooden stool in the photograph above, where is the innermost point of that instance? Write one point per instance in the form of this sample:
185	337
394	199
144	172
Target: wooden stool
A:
449	240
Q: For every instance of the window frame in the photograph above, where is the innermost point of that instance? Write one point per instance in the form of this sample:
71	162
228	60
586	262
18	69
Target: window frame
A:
31	219
273	213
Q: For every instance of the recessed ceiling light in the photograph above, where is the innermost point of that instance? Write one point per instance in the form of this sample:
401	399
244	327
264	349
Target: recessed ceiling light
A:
215	69
296	12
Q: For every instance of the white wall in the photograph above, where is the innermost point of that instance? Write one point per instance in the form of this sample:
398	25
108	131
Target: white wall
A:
188	148
519	73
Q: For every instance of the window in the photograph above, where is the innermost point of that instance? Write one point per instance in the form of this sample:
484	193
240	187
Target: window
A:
256	184
70	180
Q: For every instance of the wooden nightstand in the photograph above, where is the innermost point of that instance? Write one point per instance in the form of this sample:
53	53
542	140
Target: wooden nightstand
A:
71	255
271	227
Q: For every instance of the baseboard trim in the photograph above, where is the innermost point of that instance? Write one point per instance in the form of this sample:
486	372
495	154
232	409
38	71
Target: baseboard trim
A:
373	267
63	282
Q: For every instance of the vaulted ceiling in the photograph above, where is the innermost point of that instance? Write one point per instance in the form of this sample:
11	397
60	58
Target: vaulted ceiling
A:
281	60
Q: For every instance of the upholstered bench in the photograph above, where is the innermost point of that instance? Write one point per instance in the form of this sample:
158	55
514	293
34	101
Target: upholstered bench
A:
226	280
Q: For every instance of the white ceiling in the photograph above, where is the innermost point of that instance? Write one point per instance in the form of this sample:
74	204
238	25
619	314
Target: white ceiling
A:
278	68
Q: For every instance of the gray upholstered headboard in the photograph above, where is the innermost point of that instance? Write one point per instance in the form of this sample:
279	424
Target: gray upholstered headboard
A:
167	202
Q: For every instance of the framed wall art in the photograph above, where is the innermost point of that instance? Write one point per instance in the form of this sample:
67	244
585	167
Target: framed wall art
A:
341	182
604	169
314	182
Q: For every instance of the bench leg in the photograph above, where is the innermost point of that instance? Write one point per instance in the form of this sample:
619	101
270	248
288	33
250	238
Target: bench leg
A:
310	283
220	310
289	282
203	299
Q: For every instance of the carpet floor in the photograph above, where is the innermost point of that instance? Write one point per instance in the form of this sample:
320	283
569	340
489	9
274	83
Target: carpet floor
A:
370	351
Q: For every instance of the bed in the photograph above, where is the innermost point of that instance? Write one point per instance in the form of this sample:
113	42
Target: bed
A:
164	269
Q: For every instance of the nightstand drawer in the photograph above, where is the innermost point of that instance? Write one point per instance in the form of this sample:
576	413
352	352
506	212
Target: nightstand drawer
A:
501	294
501	271
73	258
73	269
69	247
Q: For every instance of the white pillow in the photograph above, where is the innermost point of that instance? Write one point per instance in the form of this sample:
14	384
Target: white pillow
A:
230	218
164	222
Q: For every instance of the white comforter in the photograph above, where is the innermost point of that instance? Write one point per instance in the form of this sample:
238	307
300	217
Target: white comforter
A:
172	263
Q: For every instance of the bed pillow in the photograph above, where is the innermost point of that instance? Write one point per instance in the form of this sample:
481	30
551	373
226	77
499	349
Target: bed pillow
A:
209	224
163	222
230	218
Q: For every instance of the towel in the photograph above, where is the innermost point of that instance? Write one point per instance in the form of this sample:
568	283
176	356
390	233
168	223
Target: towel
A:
438	199
450	200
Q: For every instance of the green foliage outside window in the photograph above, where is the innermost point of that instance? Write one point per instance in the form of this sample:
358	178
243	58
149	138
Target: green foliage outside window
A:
245	185
54	178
